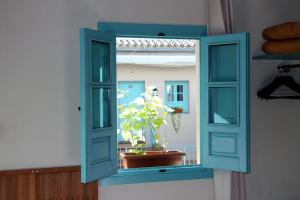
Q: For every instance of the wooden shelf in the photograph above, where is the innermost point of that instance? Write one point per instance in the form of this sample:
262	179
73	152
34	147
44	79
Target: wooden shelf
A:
287	56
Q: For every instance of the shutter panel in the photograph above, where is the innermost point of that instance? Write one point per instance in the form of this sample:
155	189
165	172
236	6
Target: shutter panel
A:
98	105
224	102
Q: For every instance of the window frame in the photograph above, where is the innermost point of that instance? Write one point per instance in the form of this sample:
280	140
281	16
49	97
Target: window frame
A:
156	174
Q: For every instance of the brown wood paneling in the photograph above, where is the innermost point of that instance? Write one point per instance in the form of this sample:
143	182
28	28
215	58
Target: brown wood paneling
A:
15	187
59	186
3	187
21	188
9	187
53	186
32	186
57	183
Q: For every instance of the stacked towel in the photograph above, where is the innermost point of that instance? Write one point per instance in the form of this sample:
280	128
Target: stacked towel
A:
282	38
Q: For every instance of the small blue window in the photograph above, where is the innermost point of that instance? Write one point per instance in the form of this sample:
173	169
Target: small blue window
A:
177	95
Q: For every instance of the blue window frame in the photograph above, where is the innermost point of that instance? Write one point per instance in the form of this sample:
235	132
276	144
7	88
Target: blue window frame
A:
177	94
223	104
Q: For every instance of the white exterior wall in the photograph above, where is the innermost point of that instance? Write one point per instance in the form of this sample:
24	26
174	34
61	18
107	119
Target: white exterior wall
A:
157	76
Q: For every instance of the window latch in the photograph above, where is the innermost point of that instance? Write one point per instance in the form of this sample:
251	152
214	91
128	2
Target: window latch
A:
162	170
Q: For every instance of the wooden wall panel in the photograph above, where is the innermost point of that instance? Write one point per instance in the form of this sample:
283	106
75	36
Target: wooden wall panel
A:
59	183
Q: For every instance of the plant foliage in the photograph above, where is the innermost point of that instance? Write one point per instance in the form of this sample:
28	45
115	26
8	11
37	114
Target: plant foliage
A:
145	113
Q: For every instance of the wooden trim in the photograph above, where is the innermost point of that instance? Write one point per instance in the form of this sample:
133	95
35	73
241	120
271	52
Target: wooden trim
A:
40	170
16	172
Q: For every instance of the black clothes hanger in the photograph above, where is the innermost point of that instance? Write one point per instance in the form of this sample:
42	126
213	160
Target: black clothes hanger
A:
282	80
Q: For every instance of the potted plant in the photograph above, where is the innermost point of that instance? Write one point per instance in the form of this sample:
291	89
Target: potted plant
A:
140	119
177	110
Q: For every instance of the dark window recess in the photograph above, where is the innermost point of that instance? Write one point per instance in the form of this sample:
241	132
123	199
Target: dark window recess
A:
162	170
179	97
179	88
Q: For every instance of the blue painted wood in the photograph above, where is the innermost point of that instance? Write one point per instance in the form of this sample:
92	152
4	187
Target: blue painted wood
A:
155	174
223	65
218	113
224	102
153	30
176	100
98	105
135	89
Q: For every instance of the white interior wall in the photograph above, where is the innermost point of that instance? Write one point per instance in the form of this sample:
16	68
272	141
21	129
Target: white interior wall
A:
39	80
157	76
275	137
39	74
190	190
39	87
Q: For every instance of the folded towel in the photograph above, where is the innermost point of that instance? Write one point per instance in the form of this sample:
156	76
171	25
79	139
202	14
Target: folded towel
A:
289	30
282	46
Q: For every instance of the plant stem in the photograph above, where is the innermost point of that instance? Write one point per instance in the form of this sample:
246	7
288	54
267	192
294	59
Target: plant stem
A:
132	138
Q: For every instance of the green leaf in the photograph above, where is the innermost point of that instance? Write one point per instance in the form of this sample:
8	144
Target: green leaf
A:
144	112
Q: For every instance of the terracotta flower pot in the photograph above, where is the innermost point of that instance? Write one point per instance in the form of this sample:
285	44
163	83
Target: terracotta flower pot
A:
177	110
152	159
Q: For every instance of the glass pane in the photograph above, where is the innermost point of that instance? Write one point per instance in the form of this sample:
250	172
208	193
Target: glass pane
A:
100	62
170	97
179	97
169	89
223	63
179	88
223	105
100	108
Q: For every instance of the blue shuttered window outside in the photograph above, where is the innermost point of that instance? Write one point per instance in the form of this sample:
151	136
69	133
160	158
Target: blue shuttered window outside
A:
177	94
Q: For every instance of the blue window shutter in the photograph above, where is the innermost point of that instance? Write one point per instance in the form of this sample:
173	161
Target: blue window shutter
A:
224	106
98	105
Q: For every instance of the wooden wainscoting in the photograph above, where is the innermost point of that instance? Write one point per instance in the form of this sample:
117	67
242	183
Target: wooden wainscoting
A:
59	183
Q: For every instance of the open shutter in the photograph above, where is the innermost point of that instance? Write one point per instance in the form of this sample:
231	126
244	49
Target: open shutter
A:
98	105
224	102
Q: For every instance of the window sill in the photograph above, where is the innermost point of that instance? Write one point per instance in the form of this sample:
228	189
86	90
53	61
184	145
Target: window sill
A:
157	174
